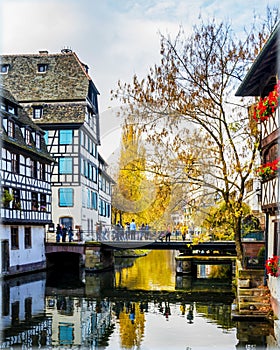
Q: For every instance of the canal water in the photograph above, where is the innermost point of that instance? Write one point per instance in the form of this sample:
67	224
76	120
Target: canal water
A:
141	305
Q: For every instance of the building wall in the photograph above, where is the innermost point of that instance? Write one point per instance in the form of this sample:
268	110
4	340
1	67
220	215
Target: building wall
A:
25	259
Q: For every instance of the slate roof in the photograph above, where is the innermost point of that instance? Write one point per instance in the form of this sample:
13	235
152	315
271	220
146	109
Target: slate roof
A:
22	119
66	77
264	68
62	90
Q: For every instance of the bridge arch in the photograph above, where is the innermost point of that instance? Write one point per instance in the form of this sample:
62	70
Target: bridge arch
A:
64	260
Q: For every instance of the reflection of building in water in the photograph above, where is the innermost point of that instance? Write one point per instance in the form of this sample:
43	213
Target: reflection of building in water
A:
218	313
131	320
23	307
80	322
203	271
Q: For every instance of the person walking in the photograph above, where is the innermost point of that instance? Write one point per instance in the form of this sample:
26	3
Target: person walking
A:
58	233
168	235
64	233
132	229
70	234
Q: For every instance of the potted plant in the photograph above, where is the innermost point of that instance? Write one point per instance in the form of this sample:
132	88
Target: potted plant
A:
267	105
17	205
269	169
273	266
7	197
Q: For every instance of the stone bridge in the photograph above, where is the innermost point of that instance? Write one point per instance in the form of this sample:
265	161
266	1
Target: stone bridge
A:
96	256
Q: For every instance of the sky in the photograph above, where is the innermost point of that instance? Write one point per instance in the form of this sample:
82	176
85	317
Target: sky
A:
115	38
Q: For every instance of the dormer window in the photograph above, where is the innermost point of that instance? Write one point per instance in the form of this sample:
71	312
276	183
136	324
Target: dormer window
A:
11	110
37	112
28	137
38	141
11	129
4	68
42	67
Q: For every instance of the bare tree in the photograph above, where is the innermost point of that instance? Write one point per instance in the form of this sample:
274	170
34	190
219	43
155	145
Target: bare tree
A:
186	104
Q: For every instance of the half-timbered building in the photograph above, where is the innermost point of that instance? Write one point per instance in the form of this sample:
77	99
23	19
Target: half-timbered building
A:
261	80
61	98
26	190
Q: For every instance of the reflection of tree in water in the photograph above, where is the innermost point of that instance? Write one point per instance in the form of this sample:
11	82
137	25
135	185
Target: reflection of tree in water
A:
219	313
131	319
220	271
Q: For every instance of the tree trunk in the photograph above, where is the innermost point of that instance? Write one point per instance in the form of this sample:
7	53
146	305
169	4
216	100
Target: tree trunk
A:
238	241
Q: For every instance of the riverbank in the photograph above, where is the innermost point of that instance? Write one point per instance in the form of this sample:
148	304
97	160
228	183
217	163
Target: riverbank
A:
131	253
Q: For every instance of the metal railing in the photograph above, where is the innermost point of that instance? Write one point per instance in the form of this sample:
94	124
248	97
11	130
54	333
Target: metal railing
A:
112	233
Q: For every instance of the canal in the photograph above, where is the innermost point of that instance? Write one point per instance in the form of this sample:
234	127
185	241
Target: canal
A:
141	305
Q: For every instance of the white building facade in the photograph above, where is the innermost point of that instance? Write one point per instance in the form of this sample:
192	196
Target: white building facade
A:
26	190
63	102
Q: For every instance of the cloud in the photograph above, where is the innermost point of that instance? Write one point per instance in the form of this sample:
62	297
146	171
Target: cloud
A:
116	39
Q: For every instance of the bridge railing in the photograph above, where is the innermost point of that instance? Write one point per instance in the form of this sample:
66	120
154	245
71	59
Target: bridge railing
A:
111	233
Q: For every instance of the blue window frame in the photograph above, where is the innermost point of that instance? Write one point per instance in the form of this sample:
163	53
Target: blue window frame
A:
66	197
108	210
65	137
88	198
94	200
65	165
46	136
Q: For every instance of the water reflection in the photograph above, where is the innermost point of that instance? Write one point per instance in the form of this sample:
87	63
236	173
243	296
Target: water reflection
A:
109	311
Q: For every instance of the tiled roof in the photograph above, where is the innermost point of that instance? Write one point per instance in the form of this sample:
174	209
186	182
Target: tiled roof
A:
65	78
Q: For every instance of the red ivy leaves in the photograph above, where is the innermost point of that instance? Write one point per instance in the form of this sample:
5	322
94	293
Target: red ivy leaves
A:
267	105
273	266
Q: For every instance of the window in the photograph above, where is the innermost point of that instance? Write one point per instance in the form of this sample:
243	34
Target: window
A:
46	137
11	110
11	128
42	67
14	238
65	137
102	210
93	149
15	313
42	170
88	198
37	112
34	201
65	165
94	200
66	333
272	153
4	68
85	168
34	168
94	173
108	210
43	202
28	309
38	141
28	137
16	199
27	238
66	197
15	163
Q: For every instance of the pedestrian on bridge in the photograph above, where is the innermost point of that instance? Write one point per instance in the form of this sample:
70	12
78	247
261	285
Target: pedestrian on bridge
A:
132	229
168	235
64	233
58	233
70	234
